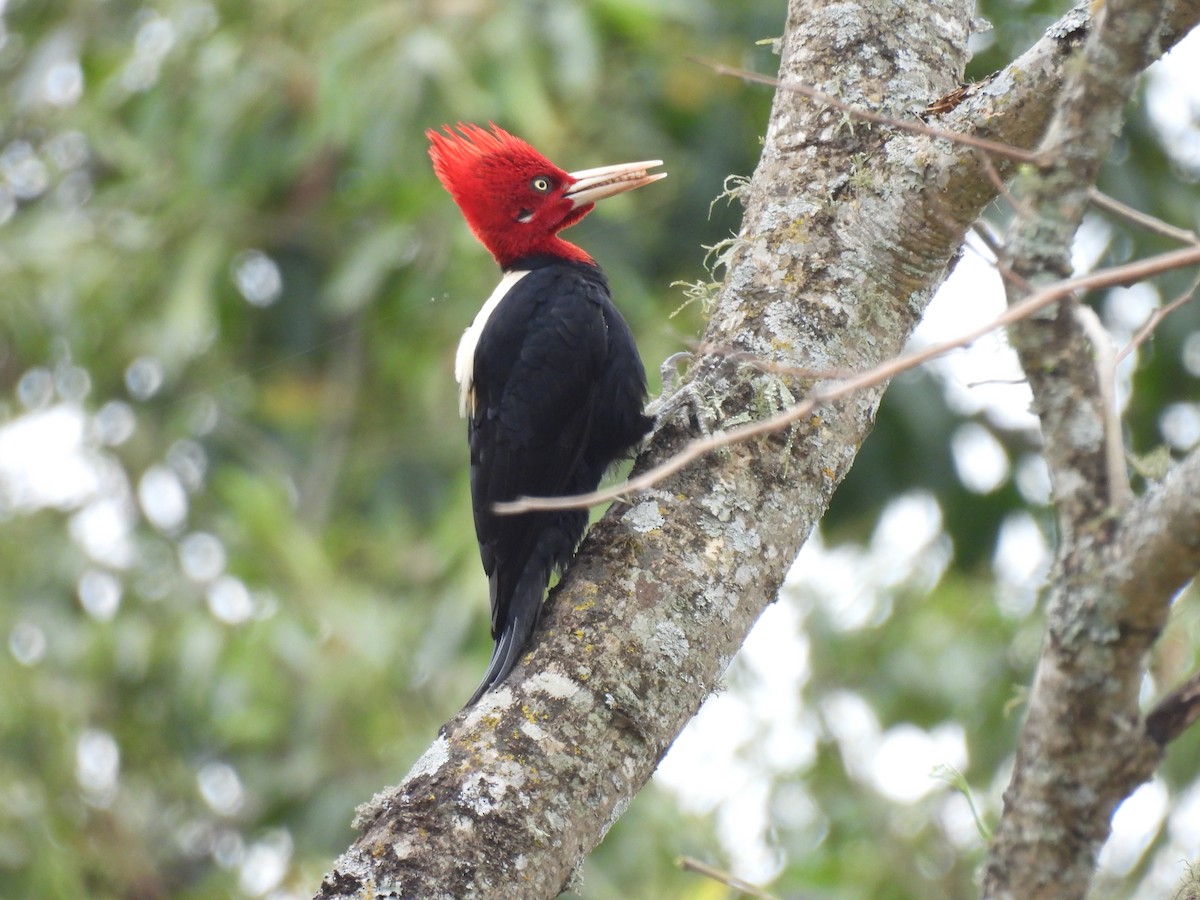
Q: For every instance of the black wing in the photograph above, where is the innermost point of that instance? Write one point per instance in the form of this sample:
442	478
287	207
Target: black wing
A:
538	367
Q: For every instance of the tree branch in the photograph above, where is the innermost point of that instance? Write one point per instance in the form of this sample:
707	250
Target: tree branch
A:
844	384
1137	217
1155	319
1156	549
828	273
994	148
1080	750
1175	713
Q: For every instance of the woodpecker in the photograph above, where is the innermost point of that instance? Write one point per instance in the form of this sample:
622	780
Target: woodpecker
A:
549	376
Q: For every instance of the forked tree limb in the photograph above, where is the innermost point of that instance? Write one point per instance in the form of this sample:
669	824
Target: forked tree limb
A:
829	272
1082	748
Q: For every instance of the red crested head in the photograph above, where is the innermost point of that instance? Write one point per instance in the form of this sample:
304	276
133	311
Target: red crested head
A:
514	199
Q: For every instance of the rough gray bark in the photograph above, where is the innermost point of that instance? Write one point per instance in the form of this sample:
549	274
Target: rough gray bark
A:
1083	745
848	231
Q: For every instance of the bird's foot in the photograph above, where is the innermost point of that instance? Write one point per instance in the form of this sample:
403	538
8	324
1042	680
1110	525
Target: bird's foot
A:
678	398
670	381
693	397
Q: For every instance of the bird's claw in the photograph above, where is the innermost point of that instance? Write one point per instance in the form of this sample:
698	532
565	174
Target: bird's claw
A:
679	398
670	381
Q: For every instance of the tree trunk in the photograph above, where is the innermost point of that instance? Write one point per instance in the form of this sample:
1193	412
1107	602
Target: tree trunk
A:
849	229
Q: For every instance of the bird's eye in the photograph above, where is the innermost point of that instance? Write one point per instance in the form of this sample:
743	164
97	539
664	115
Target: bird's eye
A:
541	184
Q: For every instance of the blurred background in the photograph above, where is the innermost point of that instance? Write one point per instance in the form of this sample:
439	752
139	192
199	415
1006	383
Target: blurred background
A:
239	587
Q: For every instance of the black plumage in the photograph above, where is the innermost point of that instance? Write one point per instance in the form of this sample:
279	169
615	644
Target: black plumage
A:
548	372
558	391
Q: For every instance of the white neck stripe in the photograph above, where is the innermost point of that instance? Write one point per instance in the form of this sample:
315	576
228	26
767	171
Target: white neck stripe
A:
464	359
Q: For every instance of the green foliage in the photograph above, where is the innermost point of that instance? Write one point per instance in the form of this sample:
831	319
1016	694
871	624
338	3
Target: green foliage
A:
226	265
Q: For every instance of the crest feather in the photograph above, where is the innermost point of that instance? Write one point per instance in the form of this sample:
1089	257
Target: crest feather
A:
461	154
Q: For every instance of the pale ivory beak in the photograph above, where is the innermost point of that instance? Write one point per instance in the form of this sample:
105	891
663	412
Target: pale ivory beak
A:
596	184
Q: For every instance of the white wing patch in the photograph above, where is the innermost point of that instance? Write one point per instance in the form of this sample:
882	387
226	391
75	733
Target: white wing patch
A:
464	359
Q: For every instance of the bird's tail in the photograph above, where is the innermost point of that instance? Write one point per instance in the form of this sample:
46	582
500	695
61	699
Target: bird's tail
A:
523	610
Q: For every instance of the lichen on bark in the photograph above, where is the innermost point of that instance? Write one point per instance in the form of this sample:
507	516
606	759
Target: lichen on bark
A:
848	231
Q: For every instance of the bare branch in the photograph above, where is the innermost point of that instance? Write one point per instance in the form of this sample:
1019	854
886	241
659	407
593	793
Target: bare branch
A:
1156	318
516	791
1175	713
1117	275
731	881
1078	755
1105	362
1145	220
1002	188
1006	151
1157	548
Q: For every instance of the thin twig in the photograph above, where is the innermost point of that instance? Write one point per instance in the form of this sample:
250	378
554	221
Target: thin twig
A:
1147	221
1175	713
1105	360
1006	151
773	368
993	175
990	241
990	382
1005	271
690	864
1156	318
1117	275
